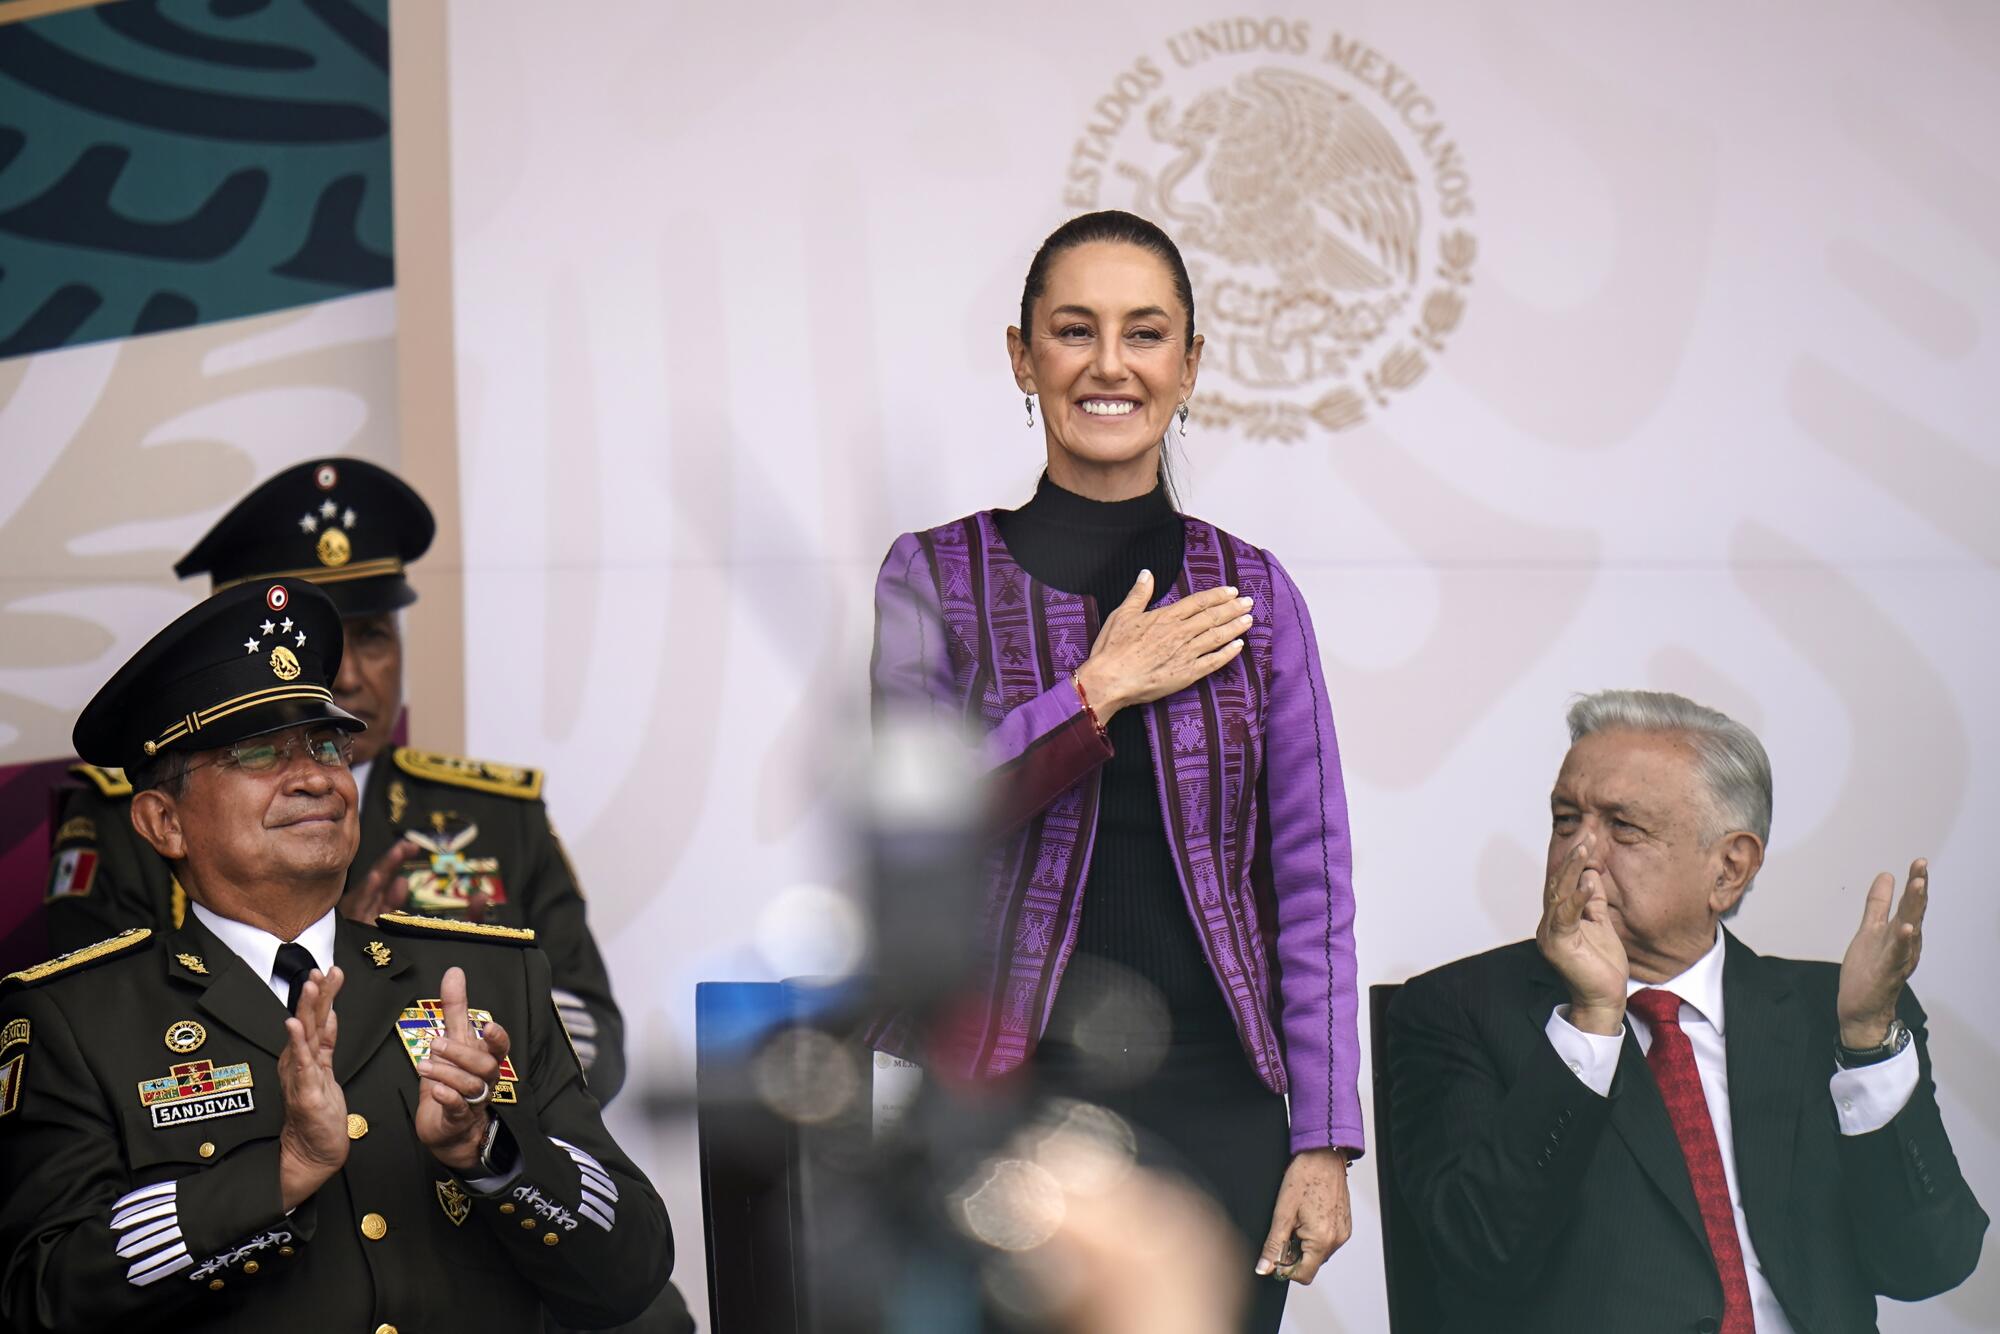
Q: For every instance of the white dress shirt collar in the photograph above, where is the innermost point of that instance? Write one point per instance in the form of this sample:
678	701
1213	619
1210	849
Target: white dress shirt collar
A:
1699	987
259	948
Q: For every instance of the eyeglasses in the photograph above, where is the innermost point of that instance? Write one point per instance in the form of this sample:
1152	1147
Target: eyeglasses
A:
331	746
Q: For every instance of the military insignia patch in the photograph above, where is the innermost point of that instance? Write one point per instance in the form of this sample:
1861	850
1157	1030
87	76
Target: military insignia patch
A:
378	952
184	1036
192	962
71	873
446	882
457	1205
424	1022
77	829
197	1091
17	1031
11	1075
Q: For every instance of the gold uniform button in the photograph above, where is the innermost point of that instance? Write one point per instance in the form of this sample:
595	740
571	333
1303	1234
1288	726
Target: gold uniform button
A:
207	1150
385	1329
357	1125
285	1251
528	1223
215	1285
374	1226
507	1208
250	1266
548	1239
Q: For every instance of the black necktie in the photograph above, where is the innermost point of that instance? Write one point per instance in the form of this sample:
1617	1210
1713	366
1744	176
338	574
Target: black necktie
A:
294	961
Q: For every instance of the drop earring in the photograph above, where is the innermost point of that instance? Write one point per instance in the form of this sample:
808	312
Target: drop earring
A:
1029	399
1183	414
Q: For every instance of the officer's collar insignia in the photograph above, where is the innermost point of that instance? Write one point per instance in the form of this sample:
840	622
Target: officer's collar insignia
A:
457	1205
379	952
17	1030
197	1091
423	1022
185	1036
192	962
399	798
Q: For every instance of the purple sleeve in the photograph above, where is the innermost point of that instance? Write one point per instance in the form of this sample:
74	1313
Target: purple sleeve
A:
1039	750
1312	884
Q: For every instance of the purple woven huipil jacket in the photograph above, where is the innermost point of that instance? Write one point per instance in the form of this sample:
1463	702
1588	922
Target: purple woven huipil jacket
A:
1249	782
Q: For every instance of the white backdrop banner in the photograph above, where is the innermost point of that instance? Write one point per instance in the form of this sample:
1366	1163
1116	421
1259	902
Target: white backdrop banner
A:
1552	348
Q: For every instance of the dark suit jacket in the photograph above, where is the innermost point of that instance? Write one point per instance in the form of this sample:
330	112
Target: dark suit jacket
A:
120	1210
1551	1209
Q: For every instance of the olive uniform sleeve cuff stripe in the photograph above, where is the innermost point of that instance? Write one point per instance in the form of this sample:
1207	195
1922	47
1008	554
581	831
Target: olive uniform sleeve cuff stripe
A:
159	1266
158	1188
149	1239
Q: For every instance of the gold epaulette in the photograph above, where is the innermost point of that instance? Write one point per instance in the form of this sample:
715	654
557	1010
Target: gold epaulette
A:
413	925
111	782
79	958
503	780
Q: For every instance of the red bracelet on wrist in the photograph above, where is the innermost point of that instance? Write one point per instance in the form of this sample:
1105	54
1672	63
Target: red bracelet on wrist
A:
1084	699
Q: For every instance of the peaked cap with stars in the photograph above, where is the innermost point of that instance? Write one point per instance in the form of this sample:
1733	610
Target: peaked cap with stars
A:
344	524
252	659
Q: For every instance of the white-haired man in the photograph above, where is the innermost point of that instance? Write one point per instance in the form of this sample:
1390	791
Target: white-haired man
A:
1633	1122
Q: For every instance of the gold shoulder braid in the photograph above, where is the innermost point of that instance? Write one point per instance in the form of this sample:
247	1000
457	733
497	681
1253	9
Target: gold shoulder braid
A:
504	780
413	925
110	782
79	958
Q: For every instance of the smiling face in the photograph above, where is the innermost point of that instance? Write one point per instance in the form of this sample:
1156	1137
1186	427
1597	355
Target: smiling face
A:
1638	798
1108	356
294	827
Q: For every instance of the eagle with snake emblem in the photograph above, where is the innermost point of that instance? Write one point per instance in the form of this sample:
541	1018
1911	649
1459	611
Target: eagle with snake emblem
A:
1312	216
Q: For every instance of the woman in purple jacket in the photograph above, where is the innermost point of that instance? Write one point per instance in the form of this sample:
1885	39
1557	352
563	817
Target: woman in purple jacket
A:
1169	919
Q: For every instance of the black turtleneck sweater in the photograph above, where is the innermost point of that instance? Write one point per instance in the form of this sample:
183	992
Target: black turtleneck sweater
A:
1134	913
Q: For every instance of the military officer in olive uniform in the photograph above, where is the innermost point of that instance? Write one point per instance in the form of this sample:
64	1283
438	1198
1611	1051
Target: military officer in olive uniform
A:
412	1148
440	835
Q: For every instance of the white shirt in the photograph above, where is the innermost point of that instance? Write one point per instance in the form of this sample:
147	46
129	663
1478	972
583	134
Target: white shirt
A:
1864	1100
259	948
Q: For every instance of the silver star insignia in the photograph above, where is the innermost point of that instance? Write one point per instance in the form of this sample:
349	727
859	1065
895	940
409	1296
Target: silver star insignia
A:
287	626
328	509
309	524
347	519
266	628
302	639
251	646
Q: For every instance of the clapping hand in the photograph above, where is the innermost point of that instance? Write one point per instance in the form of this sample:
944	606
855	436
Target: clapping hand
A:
1882	956
312	1141
1578	939
457	1080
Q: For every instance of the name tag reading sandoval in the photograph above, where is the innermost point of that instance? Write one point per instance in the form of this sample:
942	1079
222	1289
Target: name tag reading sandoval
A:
197	1091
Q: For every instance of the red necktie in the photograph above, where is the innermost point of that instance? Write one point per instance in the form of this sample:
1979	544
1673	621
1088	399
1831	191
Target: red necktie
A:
1671	1058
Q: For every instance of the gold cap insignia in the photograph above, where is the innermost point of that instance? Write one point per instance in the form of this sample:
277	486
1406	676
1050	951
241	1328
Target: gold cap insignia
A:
284	665
333	548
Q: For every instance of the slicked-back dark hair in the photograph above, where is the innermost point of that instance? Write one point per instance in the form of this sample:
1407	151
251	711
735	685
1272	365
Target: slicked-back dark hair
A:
1107	225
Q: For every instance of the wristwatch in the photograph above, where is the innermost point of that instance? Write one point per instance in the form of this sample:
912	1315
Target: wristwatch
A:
1848	1058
